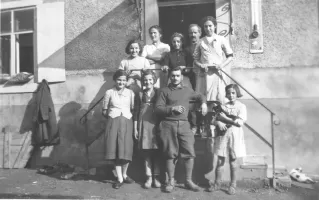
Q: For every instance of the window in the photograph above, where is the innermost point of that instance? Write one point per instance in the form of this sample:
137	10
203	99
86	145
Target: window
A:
32	40
17	46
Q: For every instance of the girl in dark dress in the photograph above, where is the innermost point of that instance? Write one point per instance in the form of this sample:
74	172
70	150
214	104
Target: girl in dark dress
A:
146	129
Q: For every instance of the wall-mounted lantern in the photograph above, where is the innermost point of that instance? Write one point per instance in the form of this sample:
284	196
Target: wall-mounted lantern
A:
256	29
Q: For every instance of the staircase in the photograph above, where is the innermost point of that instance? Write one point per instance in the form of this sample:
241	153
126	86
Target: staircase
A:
256	168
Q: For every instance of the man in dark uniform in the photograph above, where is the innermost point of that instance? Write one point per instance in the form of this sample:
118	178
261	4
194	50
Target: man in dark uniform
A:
176	137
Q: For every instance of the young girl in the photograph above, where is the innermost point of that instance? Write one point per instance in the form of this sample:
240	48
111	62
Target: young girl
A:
146	129
230	136
118	105
155	52
134	61
178	57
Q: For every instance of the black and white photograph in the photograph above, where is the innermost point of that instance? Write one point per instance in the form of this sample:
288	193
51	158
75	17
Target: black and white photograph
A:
159	99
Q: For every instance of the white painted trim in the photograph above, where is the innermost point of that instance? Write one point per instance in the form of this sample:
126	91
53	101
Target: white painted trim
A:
18	4
184	3
29	87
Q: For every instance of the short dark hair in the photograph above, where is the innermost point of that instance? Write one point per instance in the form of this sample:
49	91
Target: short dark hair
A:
127	48
119	73
149	72
209	18
236	88
157	27
195	25
181	36
176	69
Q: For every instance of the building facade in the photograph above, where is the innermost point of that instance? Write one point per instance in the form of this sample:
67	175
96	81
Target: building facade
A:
77	45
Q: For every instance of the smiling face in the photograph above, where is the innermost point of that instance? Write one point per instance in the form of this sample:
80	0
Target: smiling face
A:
176	77
194	34
148	81
155	35
134	50
231	95
177	43
120	82
209	28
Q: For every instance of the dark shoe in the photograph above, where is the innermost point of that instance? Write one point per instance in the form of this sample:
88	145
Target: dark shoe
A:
128	180
118	184
191	186
170	186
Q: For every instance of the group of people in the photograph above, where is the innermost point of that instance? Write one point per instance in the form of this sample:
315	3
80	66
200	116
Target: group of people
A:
150	103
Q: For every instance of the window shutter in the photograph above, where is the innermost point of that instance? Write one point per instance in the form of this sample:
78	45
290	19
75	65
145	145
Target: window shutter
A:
151	17
49	42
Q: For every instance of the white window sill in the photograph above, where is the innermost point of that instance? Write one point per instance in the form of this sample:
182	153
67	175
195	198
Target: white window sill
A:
29	87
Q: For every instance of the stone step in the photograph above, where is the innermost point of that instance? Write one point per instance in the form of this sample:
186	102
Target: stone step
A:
254	159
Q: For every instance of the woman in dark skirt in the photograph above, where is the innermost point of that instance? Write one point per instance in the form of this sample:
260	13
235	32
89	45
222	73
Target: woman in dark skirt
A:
146	129
118	105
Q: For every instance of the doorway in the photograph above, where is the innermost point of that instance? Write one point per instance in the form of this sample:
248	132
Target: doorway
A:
177	18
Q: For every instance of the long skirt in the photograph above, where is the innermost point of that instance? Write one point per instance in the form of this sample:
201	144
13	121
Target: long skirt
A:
119	139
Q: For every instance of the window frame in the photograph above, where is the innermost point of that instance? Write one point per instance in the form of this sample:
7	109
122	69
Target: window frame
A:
14	54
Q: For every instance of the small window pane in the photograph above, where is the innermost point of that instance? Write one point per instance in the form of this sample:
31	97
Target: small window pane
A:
25	52
23	20
5	55
5	22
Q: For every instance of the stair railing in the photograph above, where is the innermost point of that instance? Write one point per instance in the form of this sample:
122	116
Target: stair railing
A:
84	119
272	122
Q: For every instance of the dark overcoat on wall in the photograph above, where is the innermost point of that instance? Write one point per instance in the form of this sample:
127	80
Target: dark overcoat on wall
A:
45	128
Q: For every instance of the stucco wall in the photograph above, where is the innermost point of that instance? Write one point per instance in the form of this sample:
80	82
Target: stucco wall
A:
290	30
97	33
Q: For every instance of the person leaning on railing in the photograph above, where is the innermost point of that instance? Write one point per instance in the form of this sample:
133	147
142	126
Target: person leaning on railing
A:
134	62
155	53
211	53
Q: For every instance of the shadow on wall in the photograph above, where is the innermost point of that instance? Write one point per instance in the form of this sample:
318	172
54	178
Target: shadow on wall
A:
102	45
73	138
103	42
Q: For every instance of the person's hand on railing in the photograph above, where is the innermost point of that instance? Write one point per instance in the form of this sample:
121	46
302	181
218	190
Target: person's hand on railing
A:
128	71
165	68
204	109
204	67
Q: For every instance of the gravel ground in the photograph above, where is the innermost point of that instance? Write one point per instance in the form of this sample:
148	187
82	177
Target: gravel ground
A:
27	184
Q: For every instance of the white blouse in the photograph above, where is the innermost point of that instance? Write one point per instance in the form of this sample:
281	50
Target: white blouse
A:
119	104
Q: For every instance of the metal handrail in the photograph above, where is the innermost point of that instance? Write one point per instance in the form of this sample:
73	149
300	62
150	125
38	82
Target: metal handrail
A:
272	114
263	105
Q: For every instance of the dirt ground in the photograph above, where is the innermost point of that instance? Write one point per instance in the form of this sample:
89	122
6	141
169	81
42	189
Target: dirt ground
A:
27	184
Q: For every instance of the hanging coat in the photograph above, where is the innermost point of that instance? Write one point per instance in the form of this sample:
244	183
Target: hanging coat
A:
45	128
